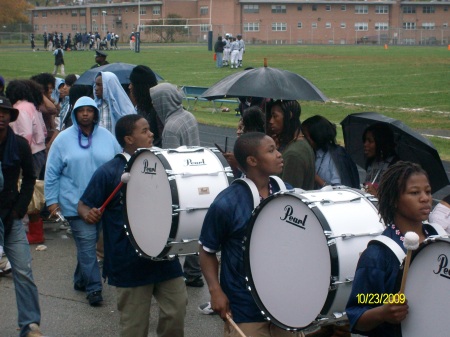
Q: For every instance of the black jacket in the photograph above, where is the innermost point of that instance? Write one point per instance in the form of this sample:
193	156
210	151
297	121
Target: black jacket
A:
11	199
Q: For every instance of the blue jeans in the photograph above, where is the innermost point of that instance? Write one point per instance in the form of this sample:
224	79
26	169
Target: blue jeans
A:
17	250
219	58
87	272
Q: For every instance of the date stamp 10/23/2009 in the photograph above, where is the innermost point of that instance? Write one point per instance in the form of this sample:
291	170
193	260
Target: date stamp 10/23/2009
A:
377	299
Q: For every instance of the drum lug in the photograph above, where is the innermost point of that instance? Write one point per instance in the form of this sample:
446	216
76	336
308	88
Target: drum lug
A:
335	282
331	242
328	234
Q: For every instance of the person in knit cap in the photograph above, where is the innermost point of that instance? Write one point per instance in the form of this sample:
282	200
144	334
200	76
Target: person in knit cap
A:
142	78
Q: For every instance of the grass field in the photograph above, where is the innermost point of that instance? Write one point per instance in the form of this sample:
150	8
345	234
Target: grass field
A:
411	84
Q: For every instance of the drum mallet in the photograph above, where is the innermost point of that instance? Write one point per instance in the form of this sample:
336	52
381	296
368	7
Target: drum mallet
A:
235	325
411	243
123	180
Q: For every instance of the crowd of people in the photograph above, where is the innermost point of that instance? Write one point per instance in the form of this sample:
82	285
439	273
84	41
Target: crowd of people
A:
50	127
229	51
79	41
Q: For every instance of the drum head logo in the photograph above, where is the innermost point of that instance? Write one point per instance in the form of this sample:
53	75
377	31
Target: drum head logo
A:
293	220
190	162
147	169
443	269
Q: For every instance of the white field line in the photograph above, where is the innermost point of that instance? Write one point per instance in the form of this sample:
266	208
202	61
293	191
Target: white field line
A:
396	108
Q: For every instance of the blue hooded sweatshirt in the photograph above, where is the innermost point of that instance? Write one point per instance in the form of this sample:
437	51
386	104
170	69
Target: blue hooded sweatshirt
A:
117	99
70	166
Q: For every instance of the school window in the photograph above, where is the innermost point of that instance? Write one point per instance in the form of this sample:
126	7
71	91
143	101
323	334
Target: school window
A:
44	28
94	12
204	10
328	8
299	7
361	9
279	26
36	28
143	11
328	25
314	8
74	27
82	12
277	9
44	14
134	26
156	10
126	26
343	8
251	8
343	25
381	26
445	9
74	12
251	27
35	14
381	9
362	26
445	25
314	25
428	25
428	9
409	9
409	25
299	25
83	27
95	27
204	27
112	10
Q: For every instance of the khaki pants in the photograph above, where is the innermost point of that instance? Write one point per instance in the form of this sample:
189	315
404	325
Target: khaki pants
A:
134	307
259	329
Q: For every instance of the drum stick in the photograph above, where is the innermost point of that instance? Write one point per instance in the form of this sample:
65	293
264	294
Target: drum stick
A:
123	180
411	243
226	143
235	325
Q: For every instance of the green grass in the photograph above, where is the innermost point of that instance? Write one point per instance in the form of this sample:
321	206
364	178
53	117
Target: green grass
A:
411	84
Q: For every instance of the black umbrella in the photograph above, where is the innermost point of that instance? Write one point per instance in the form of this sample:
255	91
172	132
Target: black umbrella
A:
265	82
121	70
410	145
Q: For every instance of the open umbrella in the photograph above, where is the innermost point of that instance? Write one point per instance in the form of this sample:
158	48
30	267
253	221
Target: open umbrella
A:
121	70
265	82
410	145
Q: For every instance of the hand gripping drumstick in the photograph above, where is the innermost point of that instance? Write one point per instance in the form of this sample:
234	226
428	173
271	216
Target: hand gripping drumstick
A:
235	325
123	180
411	243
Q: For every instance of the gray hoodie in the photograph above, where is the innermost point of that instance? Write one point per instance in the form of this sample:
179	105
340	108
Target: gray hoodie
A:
180	126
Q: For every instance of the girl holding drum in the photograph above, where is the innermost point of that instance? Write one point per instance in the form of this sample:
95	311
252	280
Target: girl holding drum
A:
375	307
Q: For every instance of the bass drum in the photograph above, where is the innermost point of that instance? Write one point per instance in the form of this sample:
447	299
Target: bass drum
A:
301	254
428	290
167	196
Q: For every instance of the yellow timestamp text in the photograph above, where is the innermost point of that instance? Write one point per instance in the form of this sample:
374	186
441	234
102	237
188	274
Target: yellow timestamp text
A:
377	299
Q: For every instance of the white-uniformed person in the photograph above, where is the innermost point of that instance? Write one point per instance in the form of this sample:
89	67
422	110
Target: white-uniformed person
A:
226	51
241	49
234	53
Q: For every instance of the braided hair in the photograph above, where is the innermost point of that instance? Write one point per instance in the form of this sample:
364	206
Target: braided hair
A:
291	120
392	185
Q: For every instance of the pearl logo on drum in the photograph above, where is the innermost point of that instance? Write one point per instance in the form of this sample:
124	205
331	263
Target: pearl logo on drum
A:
190	162
443	270
290	219
147	169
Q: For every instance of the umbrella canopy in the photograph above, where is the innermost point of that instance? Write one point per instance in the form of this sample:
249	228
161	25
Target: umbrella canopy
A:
121	70
410	145
268	83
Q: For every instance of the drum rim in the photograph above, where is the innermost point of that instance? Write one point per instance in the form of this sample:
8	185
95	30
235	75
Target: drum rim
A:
174	193
334	262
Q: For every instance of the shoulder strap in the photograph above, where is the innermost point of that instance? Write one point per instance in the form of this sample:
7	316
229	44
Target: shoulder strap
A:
438	228
392	245
254	190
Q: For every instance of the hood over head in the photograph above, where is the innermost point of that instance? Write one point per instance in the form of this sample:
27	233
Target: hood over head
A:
85	101
166	99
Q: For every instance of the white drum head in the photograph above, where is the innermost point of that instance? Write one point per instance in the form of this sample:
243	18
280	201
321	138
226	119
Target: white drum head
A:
428	291
287	261
148	203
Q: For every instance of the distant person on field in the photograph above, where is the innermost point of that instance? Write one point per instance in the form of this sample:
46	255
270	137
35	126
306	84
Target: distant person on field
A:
218	49
59	59
100	59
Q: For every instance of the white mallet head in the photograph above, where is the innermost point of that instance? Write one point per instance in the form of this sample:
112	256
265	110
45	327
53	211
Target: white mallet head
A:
125	178
411	241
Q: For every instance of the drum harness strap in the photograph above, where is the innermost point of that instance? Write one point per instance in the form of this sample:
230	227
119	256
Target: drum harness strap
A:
123	154
396	249
254	189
